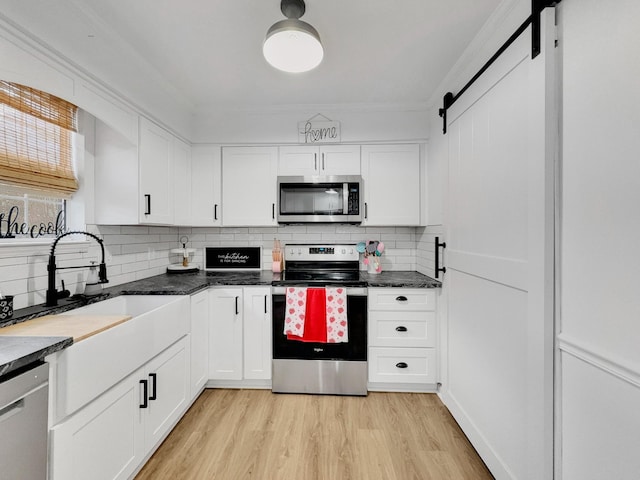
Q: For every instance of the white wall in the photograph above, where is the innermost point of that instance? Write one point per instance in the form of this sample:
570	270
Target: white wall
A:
359	124
600	234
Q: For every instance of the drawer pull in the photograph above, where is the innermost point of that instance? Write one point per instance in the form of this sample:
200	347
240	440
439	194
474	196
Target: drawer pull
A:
401	365
145	394
401	298
154	386
401	329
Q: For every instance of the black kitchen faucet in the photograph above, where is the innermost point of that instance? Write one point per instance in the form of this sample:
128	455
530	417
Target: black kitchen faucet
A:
52	294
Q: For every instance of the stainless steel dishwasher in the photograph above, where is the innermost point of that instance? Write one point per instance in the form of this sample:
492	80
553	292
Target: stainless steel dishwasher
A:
23	425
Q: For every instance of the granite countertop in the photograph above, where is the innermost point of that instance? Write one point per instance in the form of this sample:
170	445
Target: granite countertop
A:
16	352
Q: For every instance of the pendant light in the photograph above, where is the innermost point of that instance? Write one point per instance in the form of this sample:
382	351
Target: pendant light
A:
292	45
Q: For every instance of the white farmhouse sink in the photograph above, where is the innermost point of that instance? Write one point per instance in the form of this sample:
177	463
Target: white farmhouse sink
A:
133	305
91	366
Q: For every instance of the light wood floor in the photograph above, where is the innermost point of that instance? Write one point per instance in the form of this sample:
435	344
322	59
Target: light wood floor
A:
255	434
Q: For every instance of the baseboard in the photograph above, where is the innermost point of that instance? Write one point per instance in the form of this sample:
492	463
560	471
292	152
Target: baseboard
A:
249	384
402	387
491	459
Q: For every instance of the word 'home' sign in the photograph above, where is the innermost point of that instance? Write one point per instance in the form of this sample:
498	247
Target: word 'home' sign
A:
311	132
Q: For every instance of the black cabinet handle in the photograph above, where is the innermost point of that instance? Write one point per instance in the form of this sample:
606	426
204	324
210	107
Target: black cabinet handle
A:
401	365
366	211
315	161
273	211
438	268
401	298
215	211
145	393
401	329
323	161
237	311
154	383
265	304
147	204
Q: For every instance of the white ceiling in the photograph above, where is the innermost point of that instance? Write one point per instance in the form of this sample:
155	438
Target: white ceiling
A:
208	55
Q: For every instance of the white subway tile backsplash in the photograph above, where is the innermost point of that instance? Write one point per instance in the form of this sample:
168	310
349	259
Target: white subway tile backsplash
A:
137	252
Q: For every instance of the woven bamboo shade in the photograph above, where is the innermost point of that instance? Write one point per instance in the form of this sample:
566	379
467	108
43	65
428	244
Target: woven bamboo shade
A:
36	143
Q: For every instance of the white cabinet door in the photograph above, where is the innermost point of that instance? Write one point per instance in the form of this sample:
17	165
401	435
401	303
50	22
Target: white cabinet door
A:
327	160
168	387
225	333
249	186
105	440
199	338
181	157
206	193
298	160
156	174
391	176
257	333
340	160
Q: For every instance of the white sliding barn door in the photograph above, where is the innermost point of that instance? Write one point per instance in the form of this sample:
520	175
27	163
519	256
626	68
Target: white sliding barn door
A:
498	381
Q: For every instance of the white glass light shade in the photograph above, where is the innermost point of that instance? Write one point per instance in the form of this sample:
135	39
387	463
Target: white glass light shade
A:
293	46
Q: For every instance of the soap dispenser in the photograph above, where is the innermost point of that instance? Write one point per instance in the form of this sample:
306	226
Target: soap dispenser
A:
93	285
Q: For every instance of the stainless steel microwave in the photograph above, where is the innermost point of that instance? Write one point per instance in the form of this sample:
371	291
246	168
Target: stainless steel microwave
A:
315	199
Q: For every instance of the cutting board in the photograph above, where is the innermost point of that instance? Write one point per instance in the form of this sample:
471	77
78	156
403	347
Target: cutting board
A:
77	326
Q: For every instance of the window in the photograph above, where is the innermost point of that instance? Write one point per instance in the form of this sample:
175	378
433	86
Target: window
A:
36	161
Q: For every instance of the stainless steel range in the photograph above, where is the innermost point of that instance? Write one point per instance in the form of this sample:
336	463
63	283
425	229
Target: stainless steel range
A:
321	367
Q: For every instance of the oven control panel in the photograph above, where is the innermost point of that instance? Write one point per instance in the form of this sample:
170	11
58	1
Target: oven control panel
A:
323	253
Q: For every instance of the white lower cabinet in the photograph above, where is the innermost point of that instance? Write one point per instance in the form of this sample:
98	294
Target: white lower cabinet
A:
240	335
402	339
167	391
111	436
199	342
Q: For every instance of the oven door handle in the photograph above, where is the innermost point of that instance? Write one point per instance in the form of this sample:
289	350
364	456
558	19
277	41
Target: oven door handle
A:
351	291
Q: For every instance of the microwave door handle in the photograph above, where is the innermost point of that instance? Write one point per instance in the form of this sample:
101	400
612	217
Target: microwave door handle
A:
345	198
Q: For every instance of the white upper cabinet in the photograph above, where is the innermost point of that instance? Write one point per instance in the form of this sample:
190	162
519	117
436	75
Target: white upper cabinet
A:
182	180
391	175
155	153
326	160
147	183
249	186
206	193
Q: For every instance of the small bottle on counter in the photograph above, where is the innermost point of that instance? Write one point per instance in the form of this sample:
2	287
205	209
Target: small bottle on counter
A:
93	285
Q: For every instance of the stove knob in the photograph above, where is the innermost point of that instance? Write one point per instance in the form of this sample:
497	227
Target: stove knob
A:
299	251
344	250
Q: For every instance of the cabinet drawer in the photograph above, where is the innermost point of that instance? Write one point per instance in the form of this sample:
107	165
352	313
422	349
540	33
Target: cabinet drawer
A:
402	299
402	365
402	329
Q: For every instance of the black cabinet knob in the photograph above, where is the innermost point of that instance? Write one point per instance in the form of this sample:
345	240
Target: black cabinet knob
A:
401	365
401	298
401	329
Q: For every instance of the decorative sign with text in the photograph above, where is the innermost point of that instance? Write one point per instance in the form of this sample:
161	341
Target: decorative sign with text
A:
318	131
232	258
11	227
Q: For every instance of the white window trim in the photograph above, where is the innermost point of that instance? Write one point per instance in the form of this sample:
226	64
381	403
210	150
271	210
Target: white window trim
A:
22	247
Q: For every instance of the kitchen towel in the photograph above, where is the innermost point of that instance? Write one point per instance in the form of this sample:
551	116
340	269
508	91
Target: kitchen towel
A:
336	311
296	306
316	315
306	319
